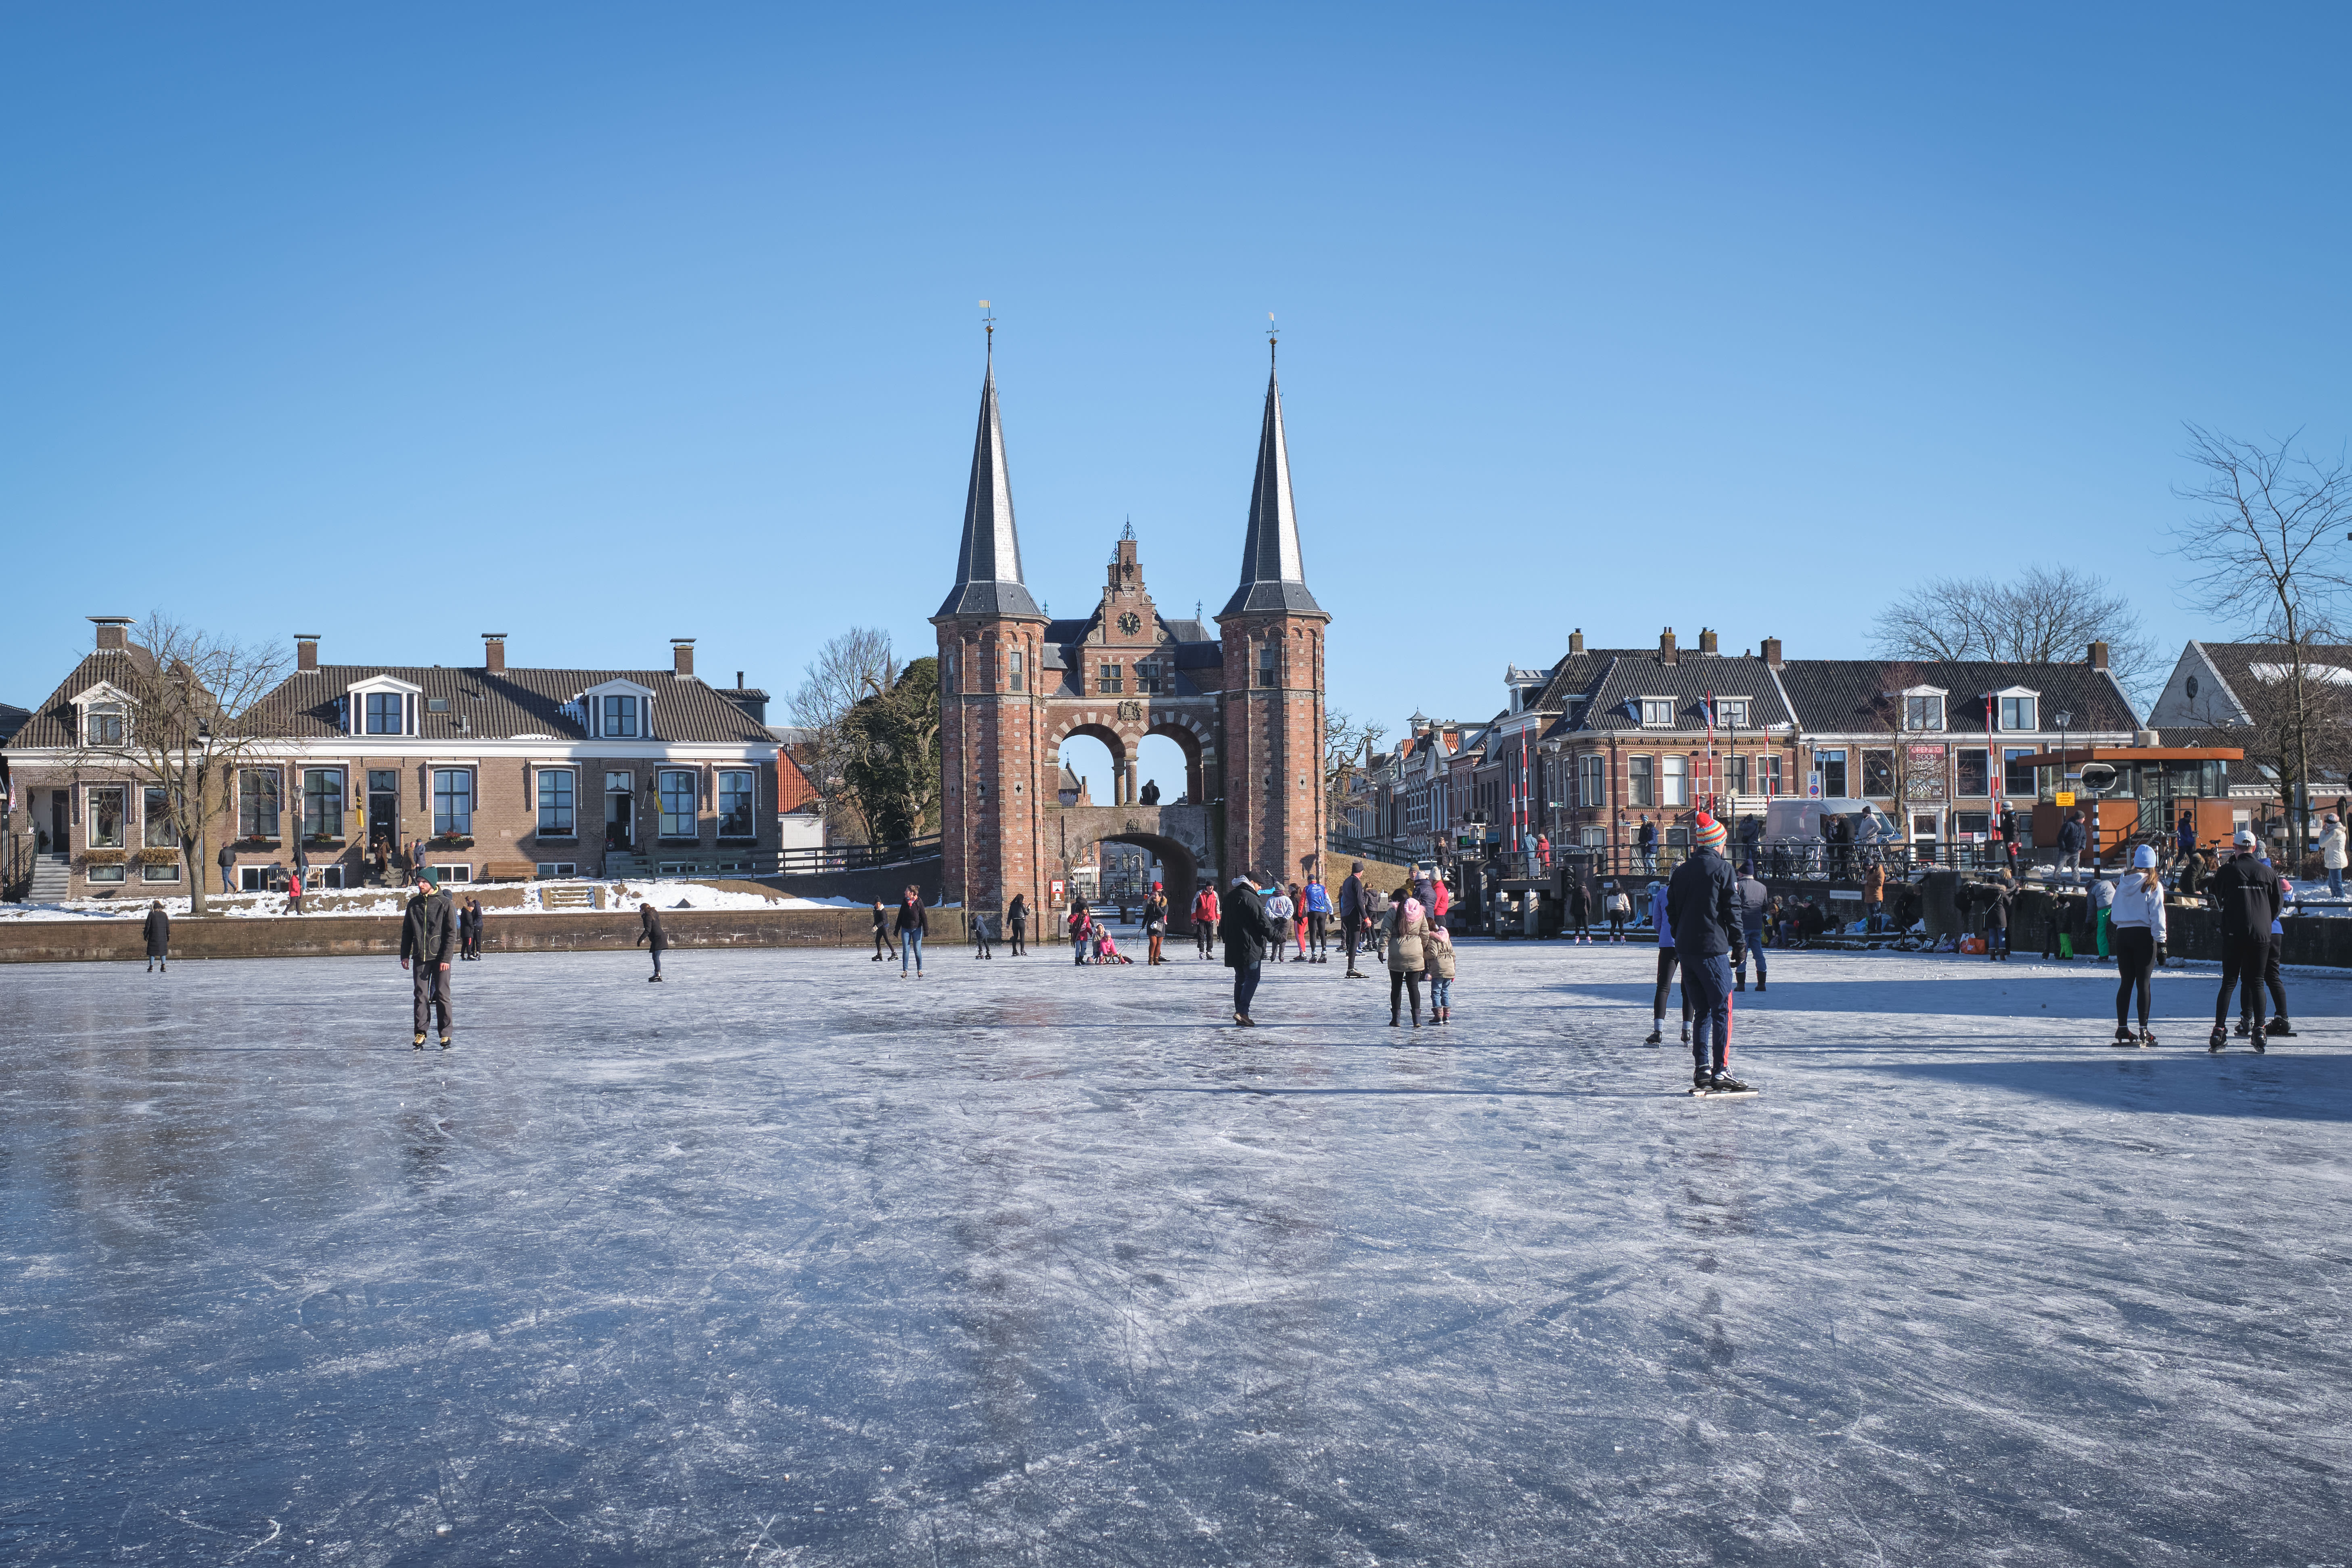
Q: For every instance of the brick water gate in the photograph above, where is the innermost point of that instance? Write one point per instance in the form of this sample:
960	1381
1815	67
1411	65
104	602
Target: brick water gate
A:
1245	703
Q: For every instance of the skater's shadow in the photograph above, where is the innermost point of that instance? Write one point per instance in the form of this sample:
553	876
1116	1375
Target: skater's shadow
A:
2278	1086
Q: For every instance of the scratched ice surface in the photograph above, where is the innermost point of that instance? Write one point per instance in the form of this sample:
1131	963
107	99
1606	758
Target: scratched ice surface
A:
790	1260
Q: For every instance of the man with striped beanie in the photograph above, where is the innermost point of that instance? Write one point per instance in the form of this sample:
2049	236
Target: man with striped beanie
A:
1703	906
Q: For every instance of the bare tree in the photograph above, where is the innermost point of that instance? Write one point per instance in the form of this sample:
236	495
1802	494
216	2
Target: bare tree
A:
2269	528
2044	615
853	667
1347	753
180	732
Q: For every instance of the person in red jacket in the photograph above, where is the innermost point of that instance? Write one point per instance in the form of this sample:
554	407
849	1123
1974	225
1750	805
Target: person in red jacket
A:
1205	919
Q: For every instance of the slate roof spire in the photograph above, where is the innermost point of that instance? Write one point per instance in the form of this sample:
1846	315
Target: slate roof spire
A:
1274	574
988	566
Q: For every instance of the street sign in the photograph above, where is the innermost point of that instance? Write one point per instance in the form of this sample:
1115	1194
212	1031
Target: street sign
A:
2065	797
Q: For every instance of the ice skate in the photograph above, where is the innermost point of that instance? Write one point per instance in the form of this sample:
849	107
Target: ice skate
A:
2146	1041
1724	1083
2220	1037
2243	1027
444	1039
1686	1033
2255	1039
2124	1038
420	1039
2277	1030
1657	1036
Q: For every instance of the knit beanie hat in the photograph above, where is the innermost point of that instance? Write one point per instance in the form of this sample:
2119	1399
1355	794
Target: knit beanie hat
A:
1708	833
2144	857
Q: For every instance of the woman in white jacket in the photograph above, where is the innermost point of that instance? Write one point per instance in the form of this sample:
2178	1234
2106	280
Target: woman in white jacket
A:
2136	920
2331	852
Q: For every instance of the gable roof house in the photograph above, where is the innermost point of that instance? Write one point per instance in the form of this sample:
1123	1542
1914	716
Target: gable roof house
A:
2241	694
475	771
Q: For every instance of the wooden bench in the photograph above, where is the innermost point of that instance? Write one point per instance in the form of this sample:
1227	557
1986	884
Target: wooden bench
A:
509	871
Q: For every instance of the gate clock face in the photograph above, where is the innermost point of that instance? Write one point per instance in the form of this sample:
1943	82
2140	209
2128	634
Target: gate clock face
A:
1128	622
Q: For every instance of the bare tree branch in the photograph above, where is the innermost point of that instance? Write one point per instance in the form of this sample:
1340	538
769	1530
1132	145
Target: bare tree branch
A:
850	669
2046	614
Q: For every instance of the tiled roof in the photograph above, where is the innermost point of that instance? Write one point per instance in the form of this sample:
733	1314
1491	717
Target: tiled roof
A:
1688	681
505	704
2235	661
1833	696
1574	674
52	724
12	719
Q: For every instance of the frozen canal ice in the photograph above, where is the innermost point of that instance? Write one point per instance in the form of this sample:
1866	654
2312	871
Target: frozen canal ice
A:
790	1260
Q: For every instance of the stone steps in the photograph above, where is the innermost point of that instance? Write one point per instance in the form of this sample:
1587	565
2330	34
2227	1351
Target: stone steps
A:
52	879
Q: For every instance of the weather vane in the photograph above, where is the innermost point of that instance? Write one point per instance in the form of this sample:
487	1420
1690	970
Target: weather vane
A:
1271	333
989	321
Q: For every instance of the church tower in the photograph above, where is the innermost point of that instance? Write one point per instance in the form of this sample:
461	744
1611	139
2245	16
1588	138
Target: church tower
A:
991	638
1273	722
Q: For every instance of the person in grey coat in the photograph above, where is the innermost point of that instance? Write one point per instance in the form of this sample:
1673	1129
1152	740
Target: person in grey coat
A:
428	934
650	933
229	866
159	938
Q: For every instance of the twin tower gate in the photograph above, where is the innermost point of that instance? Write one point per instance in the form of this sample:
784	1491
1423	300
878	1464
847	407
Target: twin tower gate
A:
1242	702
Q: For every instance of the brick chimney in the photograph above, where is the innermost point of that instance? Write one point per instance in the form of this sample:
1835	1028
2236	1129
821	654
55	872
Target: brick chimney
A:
2098	656
1773	653
113	635
1576	641
306	653
494	653
1667	652
1706	642
681	656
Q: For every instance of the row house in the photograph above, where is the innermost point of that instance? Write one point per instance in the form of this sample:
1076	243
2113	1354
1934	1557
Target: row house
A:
1618	738
472	772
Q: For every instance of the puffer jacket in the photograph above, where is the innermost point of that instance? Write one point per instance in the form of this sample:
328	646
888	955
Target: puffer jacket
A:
2245	894
1437	948
1406	947
2331	848
2139	904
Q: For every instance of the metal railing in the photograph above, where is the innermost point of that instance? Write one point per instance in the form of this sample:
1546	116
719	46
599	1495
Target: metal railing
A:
1807	858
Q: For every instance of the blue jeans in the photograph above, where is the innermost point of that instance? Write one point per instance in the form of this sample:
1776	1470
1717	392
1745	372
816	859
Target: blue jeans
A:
1245	988
910	950
1706	985
2335	881
1754	936
1440	991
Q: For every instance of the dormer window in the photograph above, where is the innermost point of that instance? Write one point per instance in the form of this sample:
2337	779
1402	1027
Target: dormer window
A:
1923	709
1731	712
620	717
382	705
2021	712
102	724
1657	712
385	713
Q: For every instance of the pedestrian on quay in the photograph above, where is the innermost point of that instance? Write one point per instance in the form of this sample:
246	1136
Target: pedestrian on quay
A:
2246	895
978	925
159	938
882	944
1703	912
1649	842
428	934
1408	953
1576	923
1155	924
1246	932
1619	906
1016	921
1755	909
1543	852
1873	894
294	892
1437	949
1318	916
2185	833
2070	847
912	925
1204	918
1351	918
2331	853
228	865
2004	893
651	936
1277	909
2137	917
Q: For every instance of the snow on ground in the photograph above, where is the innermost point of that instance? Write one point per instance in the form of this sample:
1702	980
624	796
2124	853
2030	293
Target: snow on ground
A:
791	1259
668	894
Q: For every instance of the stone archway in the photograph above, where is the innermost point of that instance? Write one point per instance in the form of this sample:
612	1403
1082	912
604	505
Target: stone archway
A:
1177	835
1192	739
1121	750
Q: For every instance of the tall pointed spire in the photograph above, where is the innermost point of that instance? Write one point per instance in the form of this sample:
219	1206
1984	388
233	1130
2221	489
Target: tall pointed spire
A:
1274	574
988	566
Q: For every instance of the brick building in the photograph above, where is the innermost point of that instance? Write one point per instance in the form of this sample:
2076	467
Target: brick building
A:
477	772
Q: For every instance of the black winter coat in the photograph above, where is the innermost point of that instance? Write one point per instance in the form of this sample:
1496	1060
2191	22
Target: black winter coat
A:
2245	894
912	918
1245	929
158	934
429	930
1703	905
649	930
2069	836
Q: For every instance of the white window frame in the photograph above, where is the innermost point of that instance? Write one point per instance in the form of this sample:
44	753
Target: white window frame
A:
1942	709
1988	752
661	807
342	798
1664	720
1842	756
717	806
1674	782
1592	780
433	772
539	798
105	694
358	692
2016	694
1642	770
450	871
151	872
147	819
558	869
592	707
90	817
277	833
1744	705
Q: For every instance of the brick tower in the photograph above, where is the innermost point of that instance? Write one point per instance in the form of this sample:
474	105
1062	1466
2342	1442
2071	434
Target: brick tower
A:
990	637
1273	721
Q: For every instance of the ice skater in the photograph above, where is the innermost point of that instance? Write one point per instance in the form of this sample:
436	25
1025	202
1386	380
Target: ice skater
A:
1662	922
1351	918
428	934
1702	910
2279	1029
2137	919
1408	954
1277	909
1619	908
1576	923
1205	919
979	948
1016	921
1155	923
1247	933
1438	952
1318	918
882	931
159	938
1755	908
650	936
913	924
2245	894
469	927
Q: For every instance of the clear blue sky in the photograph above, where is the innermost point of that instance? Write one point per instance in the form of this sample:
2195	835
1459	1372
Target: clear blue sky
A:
602	325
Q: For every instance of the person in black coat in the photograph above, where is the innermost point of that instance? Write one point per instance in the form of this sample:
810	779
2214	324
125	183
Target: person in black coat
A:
159	938
912	925
2245	894
1243	927
1016	921
428	933
650	934
1704	908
